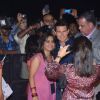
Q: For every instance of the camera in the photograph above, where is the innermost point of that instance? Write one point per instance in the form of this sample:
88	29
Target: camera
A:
24	16
69	11
6	23
2	22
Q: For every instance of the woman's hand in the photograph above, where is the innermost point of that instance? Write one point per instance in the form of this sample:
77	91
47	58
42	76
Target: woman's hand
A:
35	98
63	51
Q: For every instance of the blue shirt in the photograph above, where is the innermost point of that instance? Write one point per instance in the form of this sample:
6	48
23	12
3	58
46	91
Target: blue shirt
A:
68	58
9	45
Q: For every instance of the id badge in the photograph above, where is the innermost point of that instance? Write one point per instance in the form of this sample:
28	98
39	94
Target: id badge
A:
52	88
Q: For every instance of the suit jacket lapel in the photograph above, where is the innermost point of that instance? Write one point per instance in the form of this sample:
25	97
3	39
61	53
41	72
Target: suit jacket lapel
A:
94	35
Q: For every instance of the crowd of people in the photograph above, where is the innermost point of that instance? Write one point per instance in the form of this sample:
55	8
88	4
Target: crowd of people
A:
62	55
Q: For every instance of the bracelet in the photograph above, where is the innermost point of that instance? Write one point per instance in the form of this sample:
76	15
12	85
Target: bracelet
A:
59	57
33	88
34	95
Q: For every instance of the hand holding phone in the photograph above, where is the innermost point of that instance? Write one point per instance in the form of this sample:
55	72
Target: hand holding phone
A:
69	11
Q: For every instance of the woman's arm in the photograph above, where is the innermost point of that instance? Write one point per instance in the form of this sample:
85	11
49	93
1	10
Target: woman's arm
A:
1	92
34	66
54	70
61	53
26	31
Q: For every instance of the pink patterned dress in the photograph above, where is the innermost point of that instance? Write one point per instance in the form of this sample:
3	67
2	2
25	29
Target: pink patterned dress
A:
42	84
78	88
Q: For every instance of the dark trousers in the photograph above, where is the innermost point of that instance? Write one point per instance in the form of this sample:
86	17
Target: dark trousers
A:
58	92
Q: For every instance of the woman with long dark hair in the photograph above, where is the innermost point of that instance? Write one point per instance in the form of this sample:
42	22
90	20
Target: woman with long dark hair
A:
39	87
81	75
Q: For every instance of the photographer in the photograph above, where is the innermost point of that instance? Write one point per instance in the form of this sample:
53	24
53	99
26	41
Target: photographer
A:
23	34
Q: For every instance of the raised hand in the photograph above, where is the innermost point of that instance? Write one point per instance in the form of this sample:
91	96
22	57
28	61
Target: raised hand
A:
63	51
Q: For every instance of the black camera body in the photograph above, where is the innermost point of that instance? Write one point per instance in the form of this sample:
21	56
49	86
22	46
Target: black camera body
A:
6	23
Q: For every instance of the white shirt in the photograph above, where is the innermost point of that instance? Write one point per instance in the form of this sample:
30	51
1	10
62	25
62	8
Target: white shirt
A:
21	42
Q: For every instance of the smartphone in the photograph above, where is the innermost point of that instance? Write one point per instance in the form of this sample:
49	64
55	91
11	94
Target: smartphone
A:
2	22
69	11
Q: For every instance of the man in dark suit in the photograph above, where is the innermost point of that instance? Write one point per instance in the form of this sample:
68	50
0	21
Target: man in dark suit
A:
63	39
87	26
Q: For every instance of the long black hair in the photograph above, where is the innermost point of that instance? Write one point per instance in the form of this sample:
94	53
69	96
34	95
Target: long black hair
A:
32	46
45	34
83	59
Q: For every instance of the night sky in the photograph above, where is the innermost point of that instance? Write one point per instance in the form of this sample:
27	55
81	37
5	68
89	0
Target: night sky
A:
33	7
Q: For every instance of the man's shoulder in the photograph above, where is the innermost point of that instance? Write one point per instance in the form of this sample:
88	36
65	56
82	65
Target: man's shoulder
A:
97	32
96	35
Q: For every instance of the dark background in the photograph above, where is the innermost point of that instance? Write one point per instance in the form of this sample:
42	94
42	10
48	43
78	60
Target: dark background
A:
12	75
33	7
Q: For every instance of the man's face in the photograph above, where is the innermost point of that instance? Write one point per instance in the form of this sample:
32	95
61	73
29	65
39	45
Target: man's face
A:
62	33
48	20
84	26
23	24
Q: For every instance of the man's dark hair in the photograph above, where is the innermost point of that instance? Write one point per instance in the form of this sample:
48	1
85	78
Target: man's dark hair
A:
89	16
61	22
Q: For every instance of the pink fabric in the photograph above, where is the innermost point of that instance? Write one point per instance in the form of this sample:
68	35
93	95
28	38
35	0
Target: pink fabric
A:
42	84
78	88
